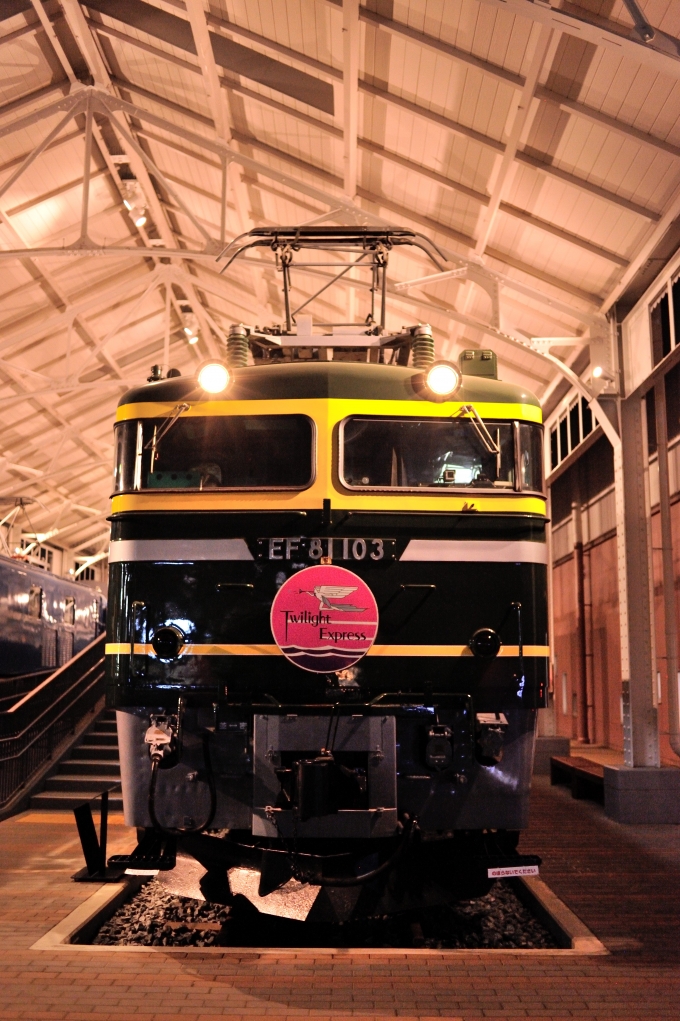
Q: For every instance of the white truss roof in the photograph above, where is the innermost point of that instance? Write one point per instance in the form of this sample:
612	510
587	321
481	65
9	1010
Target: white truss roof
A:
537	145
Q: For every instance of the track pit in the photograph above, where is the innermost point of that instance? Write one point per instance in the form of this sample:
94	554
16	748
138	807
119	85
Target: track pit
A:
154	917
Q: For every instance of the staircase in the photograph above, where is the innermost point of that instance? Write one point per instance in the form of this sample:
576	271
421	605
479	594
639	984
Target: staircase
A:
91	767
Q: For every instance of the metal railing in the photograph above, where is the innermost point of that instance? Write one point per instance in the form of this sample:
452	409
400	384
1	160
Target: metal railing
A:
13	688
34	727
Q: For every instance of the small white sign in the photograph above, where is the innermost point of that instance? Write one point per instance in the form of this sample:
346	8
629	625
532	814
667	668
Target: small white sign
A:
513	870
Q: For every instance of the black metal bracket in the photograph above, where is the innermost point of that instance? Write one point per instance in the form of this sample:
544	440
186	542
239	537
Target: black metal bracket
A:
154	852
94	848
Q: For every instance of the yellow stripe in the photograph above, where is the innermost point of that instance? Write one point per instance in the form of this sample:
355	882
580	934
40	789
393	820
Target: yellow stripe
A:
395	503
123	649
330	408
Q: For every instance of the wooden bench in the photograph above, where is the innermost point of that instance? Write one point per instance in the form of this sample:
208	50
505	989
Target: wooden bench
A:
586	778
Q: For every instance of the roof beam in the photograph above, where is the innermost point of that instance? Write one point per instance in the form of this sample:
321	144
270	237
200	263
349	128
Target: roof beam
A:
492	70
644	251
330	200
522	115
435	118
78	25
526	158
325	199
219	105
34	97
564	235
440	228
48	29
231	28
351	41
662	52
438	46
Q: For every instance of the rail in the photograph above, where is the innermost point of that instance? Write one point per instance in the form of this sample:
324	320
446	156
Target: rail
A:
34	727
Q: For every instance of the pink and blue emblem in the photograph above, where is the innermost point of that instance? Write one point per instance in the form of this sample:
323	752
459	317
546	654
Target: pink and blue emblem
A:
324	618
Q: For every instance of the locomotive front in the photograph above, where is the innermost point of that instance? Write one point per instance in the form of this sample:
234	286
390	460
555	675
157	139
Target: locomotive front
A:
327	620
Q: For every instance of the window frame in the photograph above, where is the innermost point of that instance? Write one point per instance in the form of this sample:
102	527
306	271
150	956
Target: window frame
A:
137	472
440	490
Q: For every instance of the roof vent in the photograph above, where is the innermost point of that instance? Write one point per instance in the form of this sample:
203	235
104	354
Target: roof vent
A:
478	363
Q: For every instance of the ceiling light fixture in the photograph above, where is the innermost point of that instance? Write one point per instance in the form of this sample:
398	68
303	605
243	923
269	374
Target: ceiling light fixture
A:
134	200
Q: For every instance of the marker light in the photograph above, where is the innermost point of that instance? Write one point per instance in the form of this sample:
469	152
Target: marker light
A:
140	221
597	371
214	378
442	379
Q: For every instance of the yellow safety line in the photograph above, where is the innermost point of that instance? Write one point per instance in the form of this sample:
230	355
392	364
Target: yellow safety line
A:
123	649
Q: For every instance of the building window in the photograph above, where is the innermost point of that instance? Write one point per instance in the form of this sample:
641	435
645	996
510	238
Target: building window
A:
564	439
661	328
571	430
554	451
586	418
673	400
39	556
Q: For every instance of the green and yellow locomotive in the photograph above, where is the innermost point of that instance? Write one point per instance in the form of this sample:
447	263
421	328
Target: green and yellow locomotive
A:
327	613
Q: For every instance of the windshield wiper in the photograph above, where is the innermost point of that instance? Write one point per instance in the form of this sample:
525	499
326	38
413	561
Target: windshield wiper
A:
492	445
480	428
158	434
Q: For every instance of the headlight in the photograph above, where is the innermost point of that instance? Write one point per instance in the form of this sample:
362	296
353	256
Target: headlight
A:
167	642
485	643
214	378
442	379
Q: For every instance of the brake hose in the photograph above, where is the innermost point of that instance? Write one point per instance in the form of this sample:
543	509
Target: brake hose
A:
156	759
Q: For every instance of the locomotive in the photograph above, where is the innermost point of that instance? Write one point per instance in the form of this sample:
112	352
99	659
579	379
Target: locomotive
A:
327	627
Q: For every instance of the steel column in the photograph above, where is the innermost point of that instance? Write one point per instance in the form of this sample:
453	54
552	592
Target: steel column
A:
582	734
640	727
669	601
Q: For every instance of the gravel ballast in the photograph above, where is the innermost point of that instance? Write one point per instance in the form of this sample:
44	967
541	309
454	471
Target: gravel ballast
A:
156	917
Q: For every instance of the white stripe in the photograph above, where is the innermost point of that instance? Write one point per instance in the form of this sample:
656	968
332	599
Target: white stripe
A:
178	550
467	550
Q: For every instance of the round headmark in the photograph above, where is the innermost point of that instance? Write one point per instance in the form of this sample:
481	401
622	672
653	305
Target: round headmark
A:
324	618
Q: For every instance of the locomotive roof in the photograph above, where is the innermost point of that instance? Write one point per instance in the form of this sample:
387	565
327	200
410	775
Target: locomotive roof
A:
341	380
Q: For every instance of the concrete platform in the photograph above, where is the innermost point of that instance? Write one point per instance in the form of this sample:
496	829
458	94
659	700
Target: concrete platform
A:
622	881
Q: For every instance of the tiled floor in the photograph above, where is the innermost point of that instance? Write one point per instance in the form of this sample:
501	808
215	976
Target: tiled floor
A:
623	881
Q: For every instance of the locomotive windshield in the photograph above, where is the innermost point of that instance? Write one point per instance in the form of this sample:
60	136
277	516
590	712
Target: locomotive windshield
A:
215	452
432	453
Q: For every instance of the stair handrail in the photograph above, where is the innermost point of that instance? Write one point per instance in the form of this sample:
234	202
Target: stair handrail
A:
95	646
93	676
38	723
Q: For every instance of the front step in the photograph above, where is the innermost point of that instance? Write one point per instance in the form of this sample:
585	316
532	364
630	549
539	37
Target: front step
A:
90	768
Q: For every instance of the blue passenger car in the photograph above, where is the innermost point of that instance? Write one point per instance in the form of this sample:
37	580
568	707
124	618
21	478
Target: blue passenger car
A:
44	619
